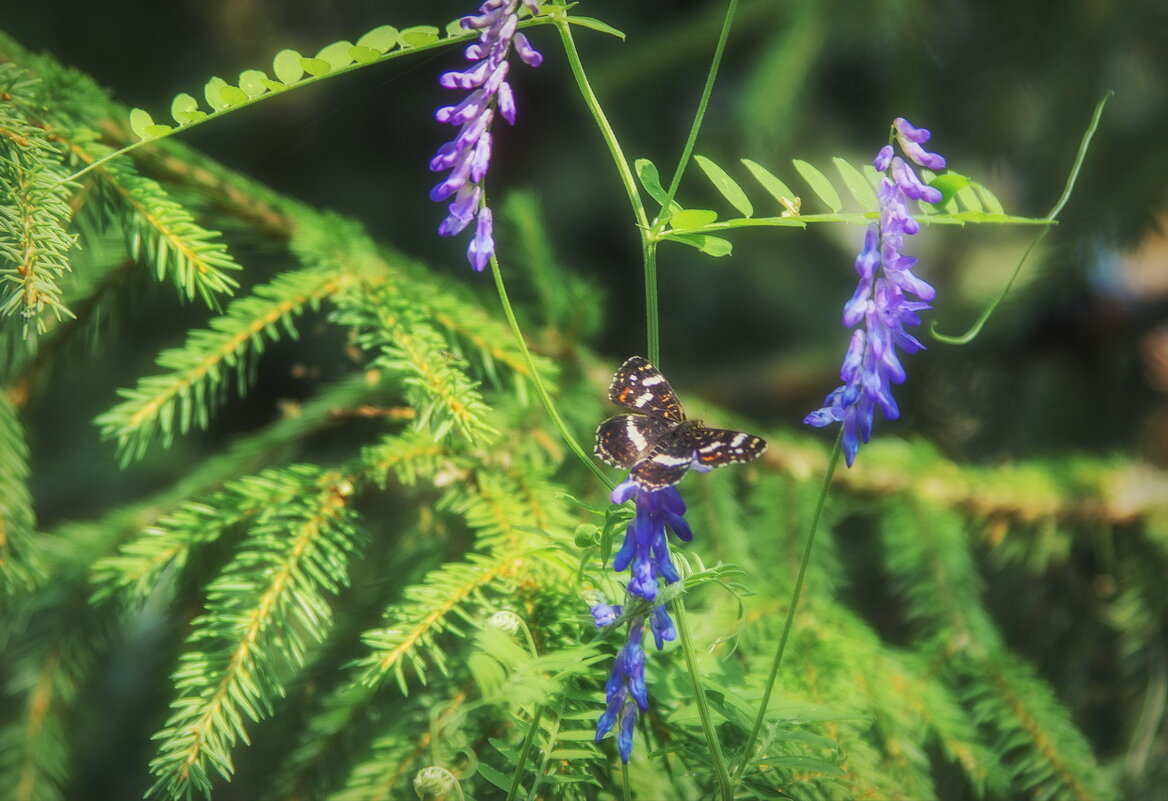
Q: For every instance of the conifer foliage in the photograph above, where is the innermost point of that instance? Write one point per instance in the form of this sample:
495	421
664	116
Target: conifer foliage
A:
382	586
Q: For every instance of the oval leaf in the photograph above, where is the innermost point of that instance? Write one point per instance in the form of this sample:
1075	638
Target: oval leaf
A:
711	245
418	35
777	189
726	185
857	184
253	82
992	204
184	109
651	179
233	96
213	92
949	185
819	185
364	55
316	66
140	120
692	218
381	39
156	130
336	54
287	66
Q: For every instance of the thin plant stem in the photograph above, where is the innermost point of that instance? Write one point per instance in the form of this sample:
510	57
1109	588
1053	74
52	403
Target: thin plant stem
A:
540	389
648	246
523	752
832	463
704	102
725	782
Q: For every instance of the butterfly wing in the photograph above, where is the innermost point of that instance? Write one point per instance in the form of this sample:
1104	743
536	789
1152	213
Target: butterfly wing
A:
715	447
640	386
666	464
624	440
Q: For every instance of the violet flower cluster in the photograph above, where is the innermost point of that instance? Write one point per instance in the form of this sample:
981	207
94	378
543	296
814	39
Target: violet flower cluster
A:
468	155
887	298
644	550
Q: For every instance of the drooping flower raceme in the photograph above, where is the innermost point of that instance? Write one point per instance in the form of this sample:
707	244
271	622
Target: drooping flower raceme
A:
646	551
468	155
887	297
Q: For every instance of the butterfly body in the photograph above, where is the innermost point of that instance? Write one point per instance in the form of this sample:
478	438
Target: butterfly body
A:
658	443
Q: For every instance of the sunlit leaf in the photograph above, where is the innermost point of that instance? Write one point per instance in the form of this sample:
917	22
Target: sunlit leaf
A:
381	39
726	185
948	185
184	109
287	66
819	184
969	199
140	120
364	55
596	25
857	184
337	54
157	129
213	92
989	199
775	187
710	245
692	218
253	82
418	35
233	95
651	179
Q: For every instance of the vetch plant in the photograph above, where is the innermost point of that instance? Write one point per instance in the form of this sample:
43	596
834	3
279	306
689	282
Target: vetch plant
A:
376	590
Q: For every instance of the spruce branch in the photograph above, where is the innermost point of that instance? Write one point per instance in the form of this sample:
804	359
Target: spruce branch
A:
198	372
21	565
263	613
35	246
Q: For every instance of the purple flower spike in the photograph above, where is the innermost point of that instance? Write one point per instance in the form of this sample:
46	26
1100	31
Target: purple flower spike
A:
886	299
625	693
468	155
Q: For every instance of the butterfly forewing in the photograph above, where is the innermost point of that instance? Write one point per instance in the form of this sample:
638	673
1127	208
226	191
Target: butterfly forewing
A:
624	440
640	386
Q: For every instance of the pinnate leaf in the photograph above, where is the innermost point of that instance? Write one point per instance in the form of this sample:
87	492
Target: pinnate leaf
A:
213	92
364	55
651	179
857	184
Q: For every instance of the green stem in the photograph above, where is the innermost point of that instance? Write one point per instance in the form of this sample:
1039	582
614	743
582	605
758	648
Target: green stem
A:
725	783
648	246
590	100
832	463
704	102
528	741
540	389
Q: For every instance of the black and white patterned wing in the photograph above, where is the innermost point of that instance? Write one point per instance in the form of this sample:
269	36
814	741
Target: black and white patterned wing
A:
666	465
718	446
640	386
624	440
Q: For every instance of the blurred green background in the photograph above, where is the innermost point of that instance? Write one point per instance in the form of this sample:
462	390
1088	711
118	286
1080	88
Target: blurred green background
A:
1076	360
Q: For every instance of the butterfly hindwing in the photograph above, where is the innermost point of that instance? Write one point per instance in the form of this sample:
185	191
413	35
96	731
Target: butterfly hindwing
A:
666	465
639	386
625	439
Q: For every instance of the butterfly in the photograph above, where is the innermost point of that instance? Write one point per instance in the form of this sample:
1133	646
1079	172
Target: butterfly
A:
658	444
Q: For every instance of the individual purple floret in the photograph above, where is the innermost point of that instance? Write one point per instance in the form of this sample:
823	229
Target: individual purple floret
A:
625	691
886	299
468	155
